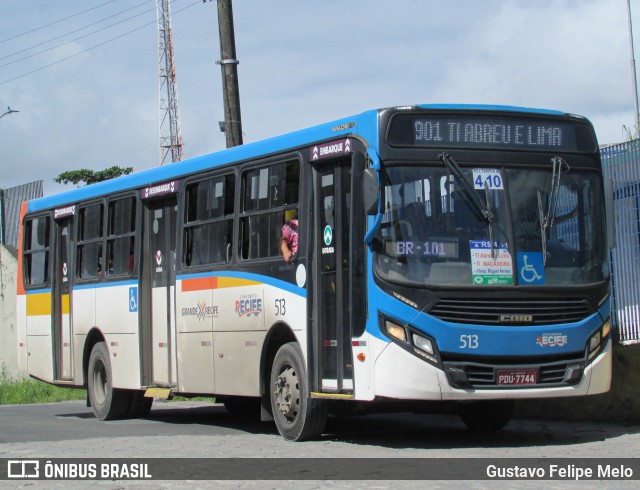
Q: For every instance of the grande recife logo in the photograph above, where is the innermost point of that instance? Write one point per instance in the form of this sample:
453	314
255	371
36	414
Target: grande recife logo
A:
201	311
249	305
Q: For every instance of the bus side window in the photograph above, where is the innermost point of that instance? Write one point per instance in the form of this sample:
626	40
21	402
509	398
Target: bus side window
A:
208	221
121	229
36	251
267	193
89	250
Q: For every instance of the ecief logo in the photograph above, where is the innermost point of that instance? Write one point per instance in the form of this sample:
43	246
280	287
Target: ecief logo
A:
23	468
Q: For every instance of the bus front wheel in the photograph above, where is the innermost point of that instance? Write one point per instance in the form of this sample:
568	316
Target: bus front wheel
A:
297	416
487	415
107	403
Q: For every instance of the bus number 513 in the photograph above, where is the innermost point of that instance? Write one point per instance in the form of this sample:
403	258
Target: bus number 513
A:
281	308
468	341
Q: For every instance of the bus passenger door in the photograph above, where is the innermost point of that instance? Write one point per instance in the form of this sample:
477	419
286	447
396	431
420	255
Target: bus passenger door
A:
61	297
158	292
331	310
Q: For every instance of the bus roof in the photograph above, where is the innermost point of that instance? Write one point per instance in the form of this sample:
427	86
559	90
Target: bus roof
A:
364	124
482	107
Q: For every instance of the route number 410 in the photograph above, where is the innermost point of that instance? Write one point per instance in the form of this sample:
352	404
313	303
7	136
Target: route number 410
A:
469	342
489	177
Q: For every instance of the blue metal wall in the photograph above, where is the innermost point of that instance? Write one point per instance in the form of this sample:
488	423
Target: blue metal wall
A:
12	199
622	165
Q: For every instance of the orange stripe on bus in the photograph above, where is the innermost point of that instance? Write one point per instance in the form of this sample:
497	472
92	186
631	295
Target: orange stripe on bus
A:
20	285
204	283
199	284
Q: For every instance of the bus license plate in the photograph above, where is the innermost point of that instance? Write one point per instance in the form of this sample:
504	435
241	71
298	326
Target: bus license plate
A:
517	377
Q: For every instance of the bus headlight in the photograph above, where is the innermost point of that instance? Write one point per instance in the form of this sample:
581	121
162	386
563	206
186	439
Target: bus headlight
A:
411	340
424	347
396	331
595	341
422	344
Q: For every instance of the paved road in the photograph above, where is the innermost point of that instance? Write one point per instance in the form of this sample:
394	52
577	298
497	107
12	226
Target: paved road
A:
200	430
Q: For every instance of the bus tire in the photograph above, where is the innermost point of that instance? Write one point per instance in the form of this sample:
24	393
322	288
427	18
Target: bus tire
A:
297	416
107	403
487	415
139	405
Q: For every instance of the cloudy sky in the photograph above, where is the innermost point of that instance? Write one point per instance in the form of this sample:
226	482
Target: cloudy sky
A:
89	99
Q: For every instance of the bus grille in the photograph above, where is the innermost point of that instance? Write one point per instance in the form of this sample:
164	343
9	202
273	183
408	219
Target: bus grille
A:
481	376
512	311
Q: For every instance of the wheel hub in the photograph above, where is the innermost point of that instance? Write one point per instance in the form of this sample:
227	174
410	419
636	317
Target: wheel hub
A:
287	393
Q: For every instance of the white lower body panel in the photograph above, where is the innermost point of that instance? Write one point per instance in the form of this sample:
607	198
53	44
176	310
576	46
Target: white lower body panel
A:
401	375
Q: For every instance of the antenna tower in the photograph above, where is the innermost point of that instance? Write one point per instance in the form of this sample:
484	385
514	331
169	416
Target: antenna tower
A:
170	135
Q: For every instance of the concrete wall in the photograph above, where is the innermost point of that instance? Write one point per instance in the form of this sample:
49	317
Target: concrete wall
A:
8	340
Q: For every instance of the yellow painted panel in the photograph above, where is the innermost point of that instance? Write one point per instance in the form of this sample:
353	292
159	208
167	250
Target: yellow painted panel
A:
40	304
65	304
160	393
233	282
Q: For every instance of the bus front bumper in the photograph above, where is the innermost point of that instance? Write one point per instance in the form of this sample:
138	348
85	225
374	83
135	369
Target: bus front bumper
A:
401	375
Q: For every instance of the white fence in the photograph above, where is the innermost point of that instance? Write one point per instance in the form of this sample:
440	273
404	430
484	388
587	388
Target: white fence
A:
622	165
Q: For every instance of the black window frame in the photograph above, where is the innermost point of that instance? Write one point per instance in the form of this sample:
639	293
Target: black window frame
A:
84	243
209	221
28	252
113	236
269	215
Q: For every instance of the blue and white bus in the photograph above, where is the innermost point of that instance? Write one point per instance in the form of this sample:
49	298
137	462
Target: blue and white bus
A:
448	254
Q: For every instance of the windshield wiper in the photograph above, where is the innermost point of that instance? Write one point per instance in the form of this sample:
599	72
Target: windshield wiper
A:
481	209
559	166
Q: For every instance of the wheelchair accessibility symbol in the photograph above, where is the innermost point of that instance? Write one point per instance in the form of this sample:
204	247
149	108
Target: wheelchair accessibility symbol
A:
530	268
133	300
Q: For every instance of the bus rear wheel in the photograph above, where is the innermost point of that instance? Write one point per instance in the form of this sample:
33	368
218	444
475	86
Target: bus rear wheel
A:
107	403
297	416
487	415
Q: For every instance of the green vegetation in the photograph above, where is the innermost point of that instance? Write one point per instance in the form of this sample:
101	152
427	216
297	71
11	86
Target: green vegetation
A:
87	176
23	391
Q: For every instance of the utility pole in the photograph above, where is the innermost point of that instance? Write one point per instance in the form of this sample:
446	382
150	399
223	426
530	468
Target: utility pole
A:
170	134
232	125
633	75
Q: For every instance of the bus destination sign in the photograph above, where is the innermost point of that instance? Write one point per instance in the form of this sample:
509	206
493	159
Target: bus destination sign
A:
477	131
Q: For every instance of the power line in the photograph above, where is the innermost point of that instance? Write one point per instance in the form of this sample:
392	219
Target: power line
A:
54	22
92	47
72	40
73	32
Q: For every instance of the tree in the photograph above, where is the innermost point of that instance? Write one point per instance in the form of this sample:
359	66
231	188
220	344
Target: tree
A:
91	176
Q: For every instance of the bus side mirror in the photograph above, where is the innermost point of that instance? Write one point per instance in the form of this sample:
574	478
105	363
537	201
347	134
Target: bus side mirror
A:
370	191
610	214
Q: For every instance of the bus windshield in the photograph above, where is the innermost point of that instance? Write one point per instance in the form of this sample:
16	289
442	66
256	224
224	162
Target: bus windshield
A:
446	225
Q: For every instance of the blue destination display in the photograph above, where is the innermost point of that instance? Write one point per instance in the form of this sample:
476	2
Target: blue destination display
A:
477	131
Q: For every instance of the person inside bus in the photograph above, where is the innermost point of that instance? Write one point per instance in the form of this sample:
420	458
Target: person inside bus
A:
289	240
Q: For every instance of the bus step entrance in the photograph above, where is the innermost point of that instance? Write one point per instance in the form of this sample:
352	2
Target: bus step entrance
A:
158	393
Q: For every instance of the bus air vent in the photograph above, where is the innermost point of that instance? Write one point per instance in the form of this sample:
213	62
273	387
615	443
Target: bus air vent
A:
512	312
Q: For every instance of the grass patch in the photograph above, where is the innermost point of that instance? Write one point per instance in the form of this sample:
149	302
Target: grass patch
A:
28	391
179	398
25	391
